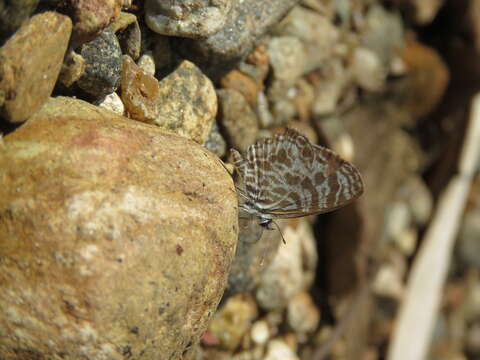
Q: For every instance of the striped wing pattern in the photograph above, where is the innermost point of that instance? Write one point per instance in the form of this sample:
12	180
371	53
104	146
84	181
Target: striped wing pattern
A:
287	176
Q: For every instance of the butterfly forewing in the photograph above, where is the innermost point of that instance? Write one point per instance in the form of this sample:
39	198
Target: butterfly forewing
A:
287	176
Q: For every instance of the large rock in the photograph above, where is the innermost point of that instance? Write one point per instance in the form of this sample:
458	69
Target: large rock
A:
115	237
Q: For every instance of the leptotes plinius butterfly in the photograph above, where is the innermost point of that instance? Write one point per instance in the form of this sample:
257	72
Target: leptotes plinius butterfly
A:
286	176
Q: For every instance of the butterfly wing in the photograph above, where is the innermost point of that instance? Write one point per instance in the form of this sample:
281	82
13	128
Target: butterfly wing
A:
292	177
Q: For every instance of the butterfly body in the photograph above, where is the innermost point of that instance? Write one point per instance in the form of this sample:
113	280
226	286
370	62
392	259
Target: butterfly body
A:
286	176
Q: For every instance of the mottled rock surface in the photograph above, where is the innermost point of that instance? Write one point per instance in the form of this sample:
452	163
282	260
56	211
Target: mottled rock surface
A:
117	237
30	62
188	103
103	65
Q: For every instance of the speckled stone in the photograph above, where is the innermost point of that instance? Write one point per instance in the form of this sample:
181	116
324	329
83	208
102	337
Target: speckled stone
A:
187	104
103	58
192	18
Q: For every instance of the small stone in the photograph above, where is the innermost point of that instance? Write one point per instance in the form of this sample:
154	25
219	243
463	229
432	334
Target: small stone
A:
30	62
188	103
397	220
265	117
419	199
329	87
379	22
90	17
407	240
388	283
315	31
113	103
287	58
72	69
244	84
215	142
129	35
193	18
140	92
279	350
368	71
283	278
302	314
103	58
233	320
147	63
260	332
237	119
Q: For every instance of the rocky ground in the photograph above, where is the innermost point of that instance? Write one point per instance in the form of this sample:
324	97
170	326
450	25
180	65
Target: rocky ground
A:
119	229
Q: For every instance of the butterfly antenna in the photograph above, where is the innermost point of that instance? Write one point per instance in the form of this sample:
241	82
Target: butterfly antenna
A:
280	231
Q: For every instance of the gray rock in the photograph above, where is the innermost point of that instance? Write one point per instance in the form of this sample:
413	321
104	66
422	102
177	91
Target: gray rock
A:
192	18
247	22
215	142
103	65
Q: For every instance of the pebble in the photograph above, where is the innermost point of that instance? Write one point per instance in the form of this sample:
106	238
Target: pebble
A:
215	142
233	320
388	282
187	103
244	84
147	63
129	35
368	72
140	92
103	65
284	277
239	122
30	63
72	69
397	220
260	332
278	350
419	199
113	103
329	88
302	314
193	19
316	32
90	17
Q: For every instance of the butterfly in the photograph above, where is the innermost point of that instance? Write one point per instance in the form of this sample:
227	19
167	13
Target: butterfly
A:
286	176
